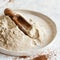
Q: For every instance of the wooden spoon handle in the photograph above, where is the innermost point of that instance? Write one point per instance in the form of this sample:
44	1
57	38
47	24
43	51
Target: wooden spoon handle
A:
9	12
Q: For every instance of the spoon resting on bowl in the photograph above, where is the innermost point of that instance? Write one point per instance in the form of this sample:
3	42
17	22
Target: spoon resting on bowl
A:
22	23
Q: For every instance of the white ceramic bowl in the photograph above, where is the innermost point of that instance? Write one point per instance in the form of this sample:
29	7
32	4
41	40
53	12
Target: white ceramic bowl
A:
37	49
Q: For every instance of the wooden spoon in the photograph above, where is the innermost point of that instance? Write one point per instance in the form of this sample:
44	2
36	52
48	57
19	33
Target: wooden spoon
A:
21	22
